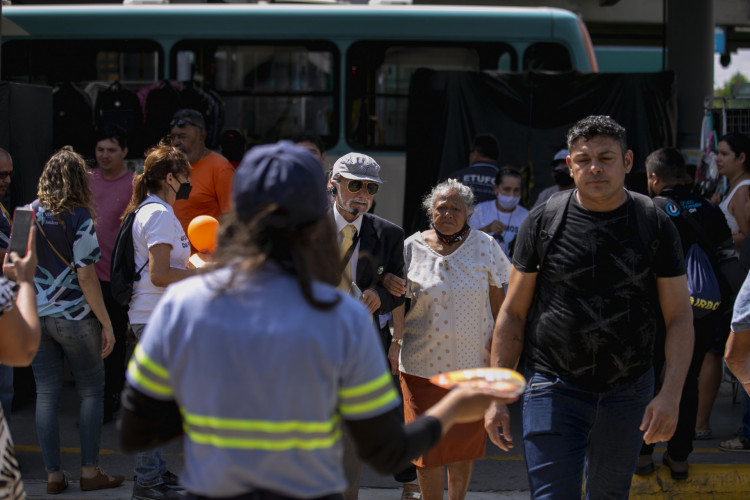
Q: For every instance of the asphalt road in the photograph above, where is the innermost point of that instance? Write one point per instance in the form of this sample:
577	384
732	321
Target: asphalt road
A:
714	474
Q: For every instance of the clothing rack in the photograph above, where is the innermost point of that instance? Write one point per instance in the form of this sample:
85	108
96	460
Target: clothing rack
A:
731	113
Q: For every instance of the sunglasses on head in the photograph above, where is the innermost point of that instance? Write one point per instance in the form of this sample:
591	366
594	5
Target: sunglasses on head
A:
181	123
355	185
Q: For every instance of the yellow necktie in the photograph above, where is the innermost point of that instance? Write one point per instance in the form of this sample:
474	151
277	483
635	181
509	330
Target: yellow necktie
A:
347	237
6	213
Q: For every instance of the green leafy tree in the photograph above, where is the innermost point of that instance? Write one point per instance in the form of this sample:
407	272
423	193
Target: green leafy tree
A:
736	86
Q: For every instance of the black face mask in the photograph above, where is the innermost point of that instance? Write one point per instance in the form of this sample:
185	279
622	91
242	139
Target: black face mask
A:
183	192
563	178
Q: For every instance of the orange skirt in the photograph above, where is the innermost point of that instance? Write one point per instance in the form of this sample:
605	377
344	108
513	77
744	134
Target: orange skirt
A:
462	442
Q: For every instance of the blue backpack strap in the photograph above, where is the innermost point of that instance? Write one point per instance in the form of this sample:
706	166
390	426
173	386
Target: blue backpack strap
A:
553	214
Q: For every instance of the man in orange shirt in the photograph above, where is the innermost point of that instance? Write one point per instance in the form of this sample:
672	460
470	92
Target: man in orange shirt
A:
210	175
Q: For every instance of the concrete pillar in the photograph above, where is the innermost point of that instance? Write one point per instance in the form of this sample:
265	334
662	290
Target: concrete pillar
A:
690	46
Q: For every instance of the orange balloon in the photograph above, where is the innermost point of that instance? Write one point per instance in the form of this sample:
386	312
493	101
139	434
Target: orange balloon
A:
203	233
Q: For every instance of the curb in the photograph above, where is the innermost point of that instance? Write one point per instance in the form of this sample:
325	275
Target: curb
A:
706	481
36	489
724	481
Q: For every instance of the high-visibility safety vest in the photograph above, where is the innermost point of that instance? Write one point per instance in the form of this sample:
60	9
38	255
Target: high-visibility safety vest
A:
263	381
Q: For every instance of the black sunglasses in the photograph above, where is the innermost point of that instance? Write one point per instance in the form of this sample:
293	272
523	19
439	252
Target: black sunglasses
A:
354	186
181	123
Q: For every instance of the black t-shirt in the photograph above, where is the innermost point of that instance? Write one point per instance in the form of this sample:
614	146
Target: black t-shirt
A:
596	311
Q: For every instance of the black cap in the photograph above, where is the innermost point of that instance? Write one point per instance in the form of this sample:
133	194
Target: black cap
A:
188	117
282	174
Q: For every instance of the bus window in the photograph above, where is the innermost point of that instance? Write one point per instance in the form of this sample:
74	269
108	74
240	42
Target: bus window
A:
47	62
546	56
269	91
378	83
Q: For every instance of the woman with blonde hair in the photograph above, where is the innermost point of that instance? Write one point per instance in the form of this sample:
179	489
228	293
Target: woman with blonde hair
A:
74	321
161	253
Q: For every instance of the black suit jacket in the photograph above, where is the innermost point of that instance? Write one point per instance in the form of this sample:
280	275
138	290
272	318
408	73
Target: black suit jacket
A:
381	250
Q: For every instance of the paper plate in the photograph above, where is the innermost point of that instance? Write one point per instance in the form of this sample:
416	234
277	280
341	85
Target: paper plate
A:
197	260
500	381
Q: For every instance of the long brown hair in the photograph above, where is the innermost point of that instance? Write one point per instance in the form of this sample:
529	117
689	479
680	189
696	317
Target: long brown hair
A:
160	161
308	252
64	183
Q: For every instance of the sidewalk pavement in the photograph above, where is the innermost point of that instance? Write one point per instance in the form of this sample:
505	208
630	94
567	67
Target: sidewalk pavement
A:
36	489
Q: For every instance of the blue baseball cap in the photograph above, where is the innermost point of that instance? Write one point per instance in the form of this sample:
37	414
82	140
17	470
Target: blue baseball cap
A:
284	175
558	162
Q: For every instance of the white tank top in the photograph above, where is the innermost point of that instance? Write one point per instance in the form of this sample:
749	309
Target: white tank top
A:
724	206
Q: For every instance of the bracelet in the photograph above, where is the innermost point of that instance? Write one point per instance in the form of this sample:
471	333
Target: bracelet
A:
400	342
746	382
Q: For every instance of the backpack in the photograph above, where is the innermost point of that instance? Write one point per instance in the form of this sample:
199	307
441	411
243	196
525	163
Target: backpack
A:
701	264
162	102
73	119
703	285
118	106
557	206
122	271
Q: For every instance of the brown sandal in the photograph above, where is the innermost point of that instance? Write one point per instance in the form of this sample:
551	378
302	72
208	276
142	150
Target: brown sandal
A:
737	444
411	492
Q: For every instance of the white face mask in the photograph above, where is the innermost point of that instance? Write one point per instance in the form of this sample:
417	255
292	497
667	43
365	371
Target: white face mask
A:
508	202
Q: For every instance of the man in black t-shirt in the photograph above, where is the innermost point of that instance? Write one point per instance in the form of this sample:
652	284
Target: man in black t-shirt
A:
666	172
586	317
482	169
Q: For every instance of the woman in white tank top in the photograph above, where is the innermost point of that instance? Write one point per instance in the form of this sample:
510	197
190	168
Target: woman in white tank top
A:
732	162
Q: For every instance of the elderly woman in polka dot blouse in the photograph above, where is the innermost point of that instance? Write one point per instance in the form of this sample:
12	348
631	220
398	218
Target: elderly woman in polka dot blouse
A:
454	280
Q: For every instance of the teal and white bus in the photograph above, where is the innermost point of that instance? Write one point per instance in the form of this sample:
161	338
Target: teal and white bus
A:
341	71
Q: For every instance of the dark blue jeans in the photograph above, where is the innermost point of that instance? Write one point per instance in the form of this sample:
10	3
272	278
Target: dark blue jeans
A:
149	464
80	343
745	400
570	432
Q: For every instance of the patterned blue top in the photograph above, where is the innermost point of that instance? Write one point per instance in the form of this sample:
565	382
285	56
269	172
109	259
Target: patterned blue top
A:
58	293
7	294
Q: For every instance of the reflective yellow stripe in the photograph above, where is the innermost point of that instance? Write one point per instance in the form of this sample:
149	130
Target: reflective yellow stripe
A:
259	425
369	405
147	383
263	444
150	364
371	386
270	435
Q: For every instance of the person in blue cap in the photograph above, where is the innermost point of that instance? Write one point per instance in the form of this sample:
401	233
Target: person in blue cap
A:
262	360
